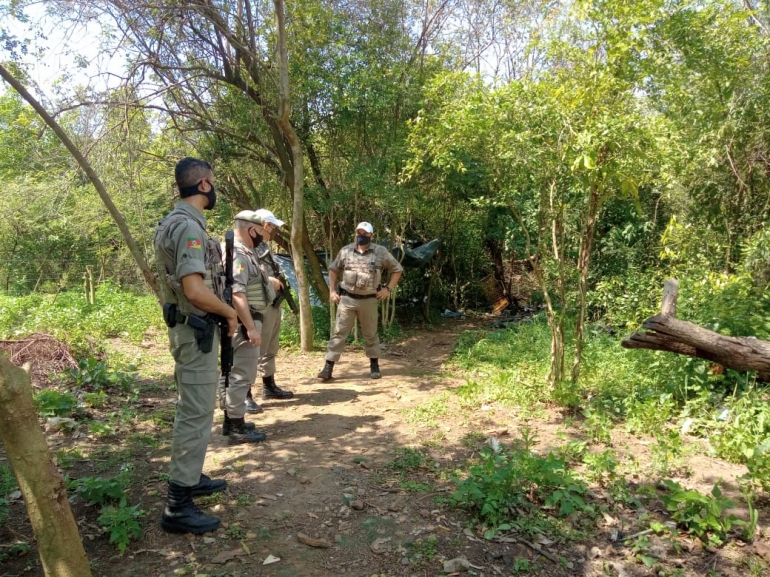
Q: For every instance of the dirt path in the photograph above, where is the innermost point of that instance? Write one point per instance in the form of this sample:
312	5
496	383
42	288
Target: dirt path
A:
341	464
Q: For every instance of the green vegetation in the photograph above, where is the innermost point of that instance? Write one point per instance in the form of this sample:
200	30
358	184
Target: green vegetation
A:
100	491
68	316
701	515
93	374
122	523
589	151
676	400
507	483
407	459
52	403
420	549
7	486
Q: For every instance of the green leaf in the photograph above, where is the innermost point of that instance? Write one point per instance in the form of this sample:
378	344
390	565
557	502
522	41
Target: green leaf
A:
647	560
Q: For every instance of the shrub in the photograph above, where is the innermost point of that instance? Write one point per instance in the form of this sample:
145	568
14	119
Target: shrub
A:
122	523
94	374
507	480
52	403
702	515
100	491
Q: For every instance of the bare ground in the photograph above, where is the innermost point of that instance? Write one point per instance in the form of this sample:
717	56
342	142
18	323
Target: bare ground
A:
327	472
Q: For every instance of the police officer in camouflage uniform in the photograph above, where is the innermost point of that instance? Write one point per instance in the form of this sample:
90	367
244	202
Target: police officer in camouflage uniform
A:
361	264
252	296
271	319
189	265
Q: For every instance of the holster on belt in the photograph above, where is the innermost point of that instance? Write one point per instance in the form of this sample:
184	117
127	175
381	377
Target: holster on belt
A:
204	327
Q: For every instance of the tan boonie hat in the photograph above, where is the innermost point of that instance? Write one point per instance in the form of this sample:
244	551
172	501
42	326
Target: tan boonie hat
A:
249	216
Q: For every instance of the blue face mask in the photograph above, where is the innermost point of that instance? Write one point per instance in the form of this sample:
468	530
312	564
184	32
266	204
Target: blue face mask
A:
362	240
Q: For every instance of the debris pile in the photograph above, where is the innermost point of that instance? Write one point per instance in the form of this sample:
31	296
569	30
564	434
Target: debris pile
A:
46	355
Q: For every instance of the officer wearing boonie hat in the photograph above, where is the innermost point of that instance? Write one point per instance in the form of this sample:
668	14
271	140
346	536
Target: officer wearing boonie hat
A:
271	318
359	266
252	294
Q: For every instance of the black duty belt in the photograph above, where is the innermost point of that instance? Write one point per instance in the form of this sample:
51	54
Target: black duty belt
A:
173	316
256	316
345	293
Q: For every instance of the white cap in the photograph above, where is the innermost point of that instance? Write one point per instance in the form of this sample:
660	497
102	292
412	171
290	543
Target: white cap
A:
269	217
367	226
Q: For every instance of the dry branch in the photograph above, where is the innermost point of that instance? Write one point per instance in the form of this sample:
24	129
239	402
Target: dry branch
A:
667	333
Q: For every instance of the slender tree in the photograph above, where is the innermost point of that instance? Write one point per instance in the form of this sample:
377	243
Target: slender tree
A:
133	247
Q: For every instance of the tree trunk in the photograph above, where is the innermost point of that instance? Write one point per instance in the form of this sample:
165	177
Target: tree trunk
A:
316	272
58	542
667	333
136	252
298	209
584	260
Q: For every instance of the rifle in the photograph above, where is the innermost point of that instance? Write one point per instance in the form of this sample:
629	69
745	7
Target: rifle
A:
284	294
226	342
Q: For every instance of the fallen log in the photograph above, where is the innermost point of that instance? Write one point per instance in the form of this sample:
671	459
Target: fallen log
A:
664	332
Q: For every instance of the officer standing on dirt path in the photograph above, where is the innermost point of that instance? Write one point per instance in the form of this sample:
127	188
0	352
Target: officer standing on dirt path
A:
271	319
252	296
189	266
362	264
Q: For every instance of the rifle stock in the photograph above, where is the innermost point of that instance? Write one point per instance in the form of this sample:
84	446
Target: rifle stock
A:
226	342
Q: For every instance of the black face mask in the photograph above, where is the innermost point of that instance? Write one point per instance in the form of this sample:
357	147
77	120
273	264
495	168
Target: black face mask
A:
211	195
257	240
362	240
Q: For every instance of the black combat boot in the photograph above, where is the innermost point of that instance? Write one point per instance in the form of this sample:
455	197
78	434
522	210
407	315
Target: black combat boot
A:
251	406
374	368
272	391
240	434
326	372
227	425
208	486
181	515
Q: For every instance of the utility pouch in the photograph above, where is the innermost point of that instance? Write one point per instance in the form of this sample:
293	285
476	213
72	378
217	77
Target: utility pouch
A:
204	337
169	315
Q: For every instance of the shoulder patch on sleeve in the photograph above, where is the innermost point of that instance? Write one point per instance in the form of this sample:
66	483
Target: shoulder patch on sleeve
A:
193	242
